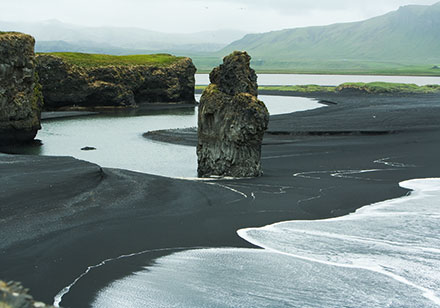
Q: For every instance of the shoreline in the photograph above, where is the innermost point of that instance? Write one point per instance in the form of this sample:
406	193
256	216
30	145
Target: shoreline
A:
287	72
58	224
65	112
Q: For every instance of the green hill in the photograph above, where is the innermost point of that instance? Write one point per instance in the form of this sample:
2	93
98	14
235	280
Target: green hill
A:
406	40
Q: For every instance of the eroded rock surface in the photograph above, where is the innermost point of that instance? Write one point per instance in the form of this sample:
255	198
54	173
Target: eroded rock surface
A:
20	95
231	121
14	295
68	85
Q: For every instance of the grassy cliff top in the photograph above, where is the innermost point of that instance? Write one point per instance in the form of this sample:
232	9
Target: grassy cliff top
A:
90	60
9	32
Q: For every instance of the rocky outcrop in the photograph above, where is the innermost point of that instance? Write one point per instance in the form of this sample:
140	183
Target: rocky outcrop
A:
68	85
20	95
14	295
231	121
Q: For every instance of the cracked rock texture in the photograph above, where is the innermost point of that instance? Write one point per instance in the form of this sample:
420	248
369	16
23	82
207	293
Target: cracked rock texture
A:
231	121
20	93
66	85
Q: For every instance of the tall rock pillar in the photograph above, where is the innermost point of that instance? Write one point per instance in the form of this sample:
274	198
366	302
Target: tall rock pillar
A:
20	93
231	121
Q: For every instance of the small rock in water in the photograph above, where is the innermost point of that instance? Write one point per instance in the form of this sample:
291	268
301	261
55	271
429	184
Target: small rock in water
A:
88	149
231	121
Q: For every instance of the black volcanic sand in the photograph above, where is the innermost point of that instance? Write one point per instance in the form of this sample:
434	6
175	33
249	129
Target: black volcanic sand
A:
59	215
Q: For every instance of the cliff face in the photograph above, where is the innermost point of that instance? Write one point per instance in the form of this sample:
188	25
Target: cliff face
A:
20	95
231	121
67	85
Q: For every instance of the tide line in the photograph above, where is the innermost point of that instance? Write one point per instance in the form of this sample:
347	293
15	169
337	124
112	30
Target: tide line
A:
59	296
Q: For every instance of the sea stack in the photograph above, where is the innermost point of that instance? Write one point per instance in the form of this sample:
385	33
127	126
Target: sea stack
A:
20	93
231	121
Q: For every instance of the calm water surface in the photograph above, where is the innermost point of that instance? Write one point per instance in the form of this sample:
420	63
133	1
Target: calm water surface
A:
119	143
327	80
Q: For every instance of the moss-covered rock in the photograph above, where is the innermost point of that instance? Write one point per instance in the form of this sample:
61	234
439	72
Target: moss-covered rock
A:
231	121
20	93
68	82
14	295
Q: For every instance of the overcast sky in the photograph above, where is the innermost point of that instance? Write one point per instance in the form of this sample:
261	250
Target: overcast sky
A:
198	15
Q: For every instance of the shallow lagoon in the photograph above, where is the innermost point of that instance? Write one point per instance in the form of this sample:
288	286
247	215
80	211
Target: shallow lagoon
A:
119	143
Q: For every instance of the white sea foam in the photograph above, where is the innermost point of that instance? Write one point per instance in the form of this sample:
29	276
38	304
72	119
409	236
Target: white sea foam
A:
383	255
398	238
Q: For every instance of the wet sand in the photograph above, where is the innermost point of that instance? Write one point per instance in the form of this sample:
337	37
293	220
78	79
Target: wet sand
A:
60	215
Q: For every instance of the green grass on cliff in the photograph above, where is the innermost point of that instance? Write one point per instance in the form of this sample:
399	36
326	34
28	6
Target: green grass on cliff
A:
302	88
9	32
90	60
372	87
388	87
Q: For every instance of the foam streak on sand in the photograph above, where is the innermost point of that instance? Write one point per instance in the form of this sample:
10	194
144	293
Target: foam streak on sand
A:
59	297
396	238
231	189
386	161
348	174
338	174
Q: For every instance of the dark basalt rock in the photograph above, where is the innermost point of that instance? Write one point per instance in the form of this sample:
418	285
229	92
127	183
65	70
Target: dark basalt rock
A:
14	295
235	75
231	121
20	95
66	85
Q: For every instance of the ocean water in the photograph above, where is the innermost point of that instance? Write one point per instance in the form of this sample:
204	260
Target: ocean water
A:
383	255
328	80
119	143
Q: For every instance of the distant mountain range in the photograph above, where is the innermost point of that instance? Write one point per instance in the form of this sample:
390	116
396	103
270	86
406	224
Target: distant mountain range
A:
405	41
54	35
409	35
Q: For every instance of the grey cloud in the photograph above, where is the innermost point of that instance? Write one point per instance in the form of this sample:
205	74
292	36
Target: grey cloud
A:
292	6
198	15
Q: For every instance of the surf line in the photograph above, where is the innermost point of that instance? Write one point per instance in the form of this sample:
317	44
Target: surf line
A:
59	296
427	293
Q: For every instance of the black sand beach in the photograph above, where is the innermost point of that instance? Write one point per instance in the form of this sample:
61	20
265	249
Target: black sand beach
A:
60	215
